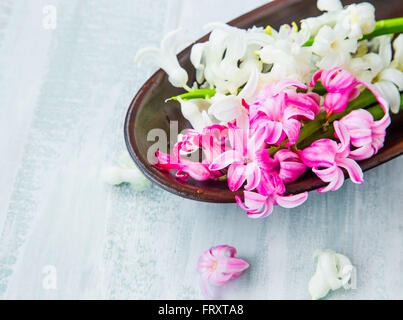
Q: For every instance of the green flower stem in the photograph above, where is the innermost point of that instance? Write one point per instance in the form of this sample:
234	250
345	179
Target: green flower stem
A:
223	178
387	26
319	88
382	27
195	94
328	134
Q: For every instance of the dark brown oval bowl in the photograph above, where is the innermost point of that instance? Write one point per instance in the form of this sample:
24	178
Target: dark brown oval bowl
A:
148	109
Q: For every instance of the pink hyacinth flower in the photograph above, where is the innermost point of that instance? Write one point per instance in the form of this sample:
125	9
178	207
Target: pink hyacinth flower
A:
366	134
213	141
243	159
279	107
270	193
185	167
218	265
306	101
341	86
286	163
189	142
326	156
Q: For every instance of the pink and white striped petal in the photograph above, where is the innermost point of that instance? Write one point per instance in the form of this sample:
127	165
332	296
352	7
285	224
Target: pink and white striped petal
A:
292	201
236	176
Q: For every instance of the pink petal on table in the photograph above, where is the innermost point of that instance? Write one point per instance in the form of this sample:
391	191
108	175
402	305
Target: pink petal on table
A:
217	266
223	251
235	266
219	278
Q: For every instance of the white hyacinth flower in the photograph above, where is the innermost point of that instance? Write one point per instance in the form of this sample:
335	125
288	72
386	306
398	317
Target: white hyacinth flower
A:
358	19
197	59
195	111
165	57
329	18
333	47
126	172
329	5
227	59
367	65
289	59
365	68
384	71
398	55
226	46
226	108
333	271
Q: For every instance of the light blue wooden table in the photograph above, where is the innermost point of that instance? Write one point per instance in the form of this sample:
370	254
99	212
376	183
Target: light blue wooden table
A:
64	92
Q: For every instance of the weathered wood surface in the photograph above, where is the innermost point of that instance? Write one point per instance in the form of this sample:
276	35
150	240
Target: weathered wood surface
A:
63	97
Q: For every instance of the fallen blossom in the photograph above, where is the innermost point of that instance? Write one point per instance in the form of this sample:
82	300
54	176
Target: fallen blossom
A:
126	172
217	266
333	271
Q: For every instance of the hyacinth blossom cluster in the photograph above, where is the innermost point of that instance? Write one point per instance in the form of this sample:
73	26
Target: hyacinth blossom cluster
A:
269	105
